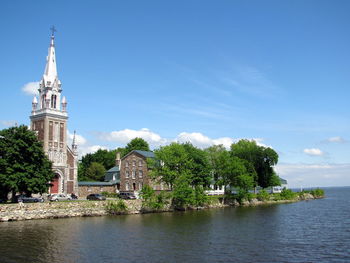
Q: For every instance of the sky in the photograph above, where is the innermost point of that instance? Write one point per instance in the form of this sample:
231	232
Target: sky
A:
207	72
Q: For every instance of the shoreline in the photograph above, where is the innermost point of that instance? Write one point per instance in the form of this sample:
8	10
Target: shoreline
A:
53	210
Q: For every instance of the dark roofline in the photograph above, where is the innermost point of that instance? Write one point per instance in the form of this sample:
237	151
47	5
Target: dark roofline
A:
139	152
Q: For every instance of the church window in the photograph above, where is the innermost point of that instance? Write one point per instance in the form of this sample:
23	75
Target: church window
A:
43	99
134	163
127	187
50	130
126	164
53	101
140	185
127	174
140	173
140	163
133	174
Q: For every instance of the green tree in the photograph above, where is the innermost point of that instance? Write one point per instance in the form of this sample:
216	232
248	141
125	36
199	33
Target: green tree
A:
199	169
170	163
136	144
104	157
95	172
183	194
24	167
261	158
215	158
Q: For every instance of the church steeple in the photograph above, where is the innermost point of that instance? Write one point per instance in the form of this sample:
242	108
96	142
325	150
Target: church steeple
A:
50	86
51	68
49	121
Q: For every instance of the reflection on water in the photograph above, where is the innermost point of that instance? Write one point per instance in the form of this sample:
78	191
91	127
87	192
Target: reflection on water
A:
313	231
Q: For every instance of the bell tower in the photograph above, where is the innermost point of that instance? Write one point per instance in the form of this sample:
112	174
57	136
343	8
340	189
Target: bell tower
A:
49	119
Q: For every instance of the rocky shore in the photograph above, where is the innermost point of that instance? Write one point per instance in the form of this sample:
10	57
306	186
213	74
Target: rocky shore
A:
46	210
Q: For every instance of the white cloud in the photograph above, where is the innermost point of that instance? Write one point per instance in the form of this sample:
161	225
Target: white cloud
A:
155	140
79	139
83	146
31	88
195	138
126	135
311	175
313	152
336	139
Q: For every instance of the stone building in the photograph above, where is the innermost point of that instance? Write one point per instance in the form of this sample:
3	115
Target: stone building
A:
49	120
134	172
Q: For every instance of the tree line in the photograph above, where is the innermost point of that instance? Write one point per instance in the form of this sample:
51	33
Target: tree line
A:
187	170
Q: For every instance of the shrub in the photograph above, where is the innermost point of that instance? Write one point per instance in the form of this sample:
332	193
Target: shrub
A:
317	192
151	200
263	195
288	194
200	198
116	207
242	196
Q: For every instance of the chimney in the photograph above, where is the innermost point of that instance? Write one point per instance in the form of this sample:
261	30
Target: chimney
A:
117	159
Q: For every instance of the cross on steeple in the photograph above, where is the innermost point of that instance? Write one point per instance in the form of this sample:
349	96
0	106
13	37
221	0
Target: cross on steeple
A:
53	30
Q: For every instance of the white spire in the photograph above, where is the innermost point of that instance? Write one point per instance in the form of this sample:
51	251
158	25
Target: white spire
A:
50	73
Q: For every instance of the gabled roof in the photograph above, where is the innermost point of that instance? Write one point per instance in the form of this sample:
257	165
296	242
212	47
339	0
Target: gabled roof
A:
114	169
145	154
113	172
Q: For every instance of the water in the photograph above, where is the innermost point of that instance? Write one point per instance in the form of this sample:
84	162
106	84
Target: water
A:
309	231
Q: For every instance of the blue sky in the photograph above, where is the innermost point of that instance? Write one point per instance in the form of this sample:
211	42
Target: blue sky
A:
208	72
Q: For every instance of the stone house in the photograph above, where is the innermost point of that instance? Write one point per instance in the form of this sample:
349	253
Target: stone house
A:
134	172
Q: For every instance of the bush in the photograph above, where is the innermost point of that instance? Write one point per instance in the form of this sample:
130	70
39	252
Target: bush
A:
288	194
263	195
317	192
183	194
242	196
200	198
151	200
116	207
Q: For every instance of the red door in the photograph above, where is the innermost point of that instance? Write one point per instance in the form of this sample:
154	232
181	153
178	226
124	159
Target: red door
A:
54	185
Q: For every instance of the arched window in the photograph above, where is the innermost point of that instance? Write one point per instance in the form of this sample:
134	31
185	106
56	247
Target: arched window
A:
53	101
43	99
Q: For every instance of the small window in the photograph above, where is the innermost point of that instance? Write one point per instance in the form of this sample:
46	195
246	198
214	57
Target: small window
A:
133	174
140	173
127	187
127	174
140	186
134	163
140	163
126	164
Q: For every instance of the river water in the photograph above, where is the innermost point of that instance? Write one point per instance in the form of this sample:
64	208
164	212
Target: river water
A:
307	231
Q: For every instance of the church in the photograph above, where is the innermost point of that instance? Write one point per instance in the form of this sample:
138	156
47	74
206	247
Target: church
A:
49	120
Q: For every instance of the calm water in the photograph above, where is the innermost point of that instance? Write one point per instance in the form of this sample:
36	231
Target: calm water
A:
312	231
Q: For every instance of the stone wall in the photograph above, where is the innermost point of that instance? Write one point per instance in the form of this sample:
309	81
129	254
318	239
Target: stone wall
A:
28	211
85	190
